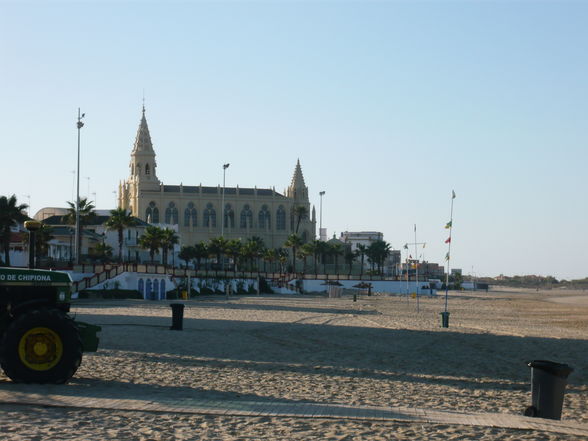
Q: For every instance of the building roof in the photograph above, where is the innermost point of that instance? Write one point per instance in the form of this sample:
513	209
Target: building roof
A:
298	178
143	138
218	190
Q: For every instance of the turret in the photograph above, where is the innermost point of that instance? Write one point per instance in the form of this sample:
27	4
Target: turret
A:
298	189
143	165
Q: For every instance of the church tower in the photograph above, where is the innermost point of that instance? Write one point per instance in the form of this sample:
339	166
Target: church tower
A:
298	189
142	168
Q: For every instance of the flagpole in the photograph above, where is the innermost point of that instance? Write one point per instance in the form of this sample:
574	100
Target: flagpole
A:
416	267
449	250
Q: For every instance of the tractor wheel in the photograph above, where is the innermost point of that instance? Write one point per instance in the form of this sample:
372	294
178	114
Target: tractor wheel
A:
41	346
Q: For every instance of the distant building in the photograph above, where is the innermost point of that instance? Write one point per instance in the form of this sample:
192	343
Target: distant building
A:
197	211
355	238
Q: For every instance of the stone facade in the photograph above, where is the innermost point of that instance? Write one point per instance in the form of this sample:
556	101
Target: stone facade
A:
195	212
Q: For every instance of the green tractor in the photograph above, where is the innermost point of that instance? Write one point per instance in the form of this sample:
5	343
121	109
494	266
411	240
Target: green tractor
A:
39	341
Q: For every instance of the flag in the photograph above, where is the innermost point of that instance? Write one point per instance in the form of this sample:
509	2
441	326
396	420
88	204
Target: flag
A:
452	194
448	240
449	224
447	256
410	256
406	246
425	244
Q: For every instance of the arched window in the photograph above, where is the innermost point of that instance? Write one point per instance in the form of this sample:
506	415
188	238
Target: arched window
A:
229	216
209	216
162	289
171	214
246	217
147	170
148	289
141	287
264	218
305	236
281	218
132	169
190	218
155	289
152	213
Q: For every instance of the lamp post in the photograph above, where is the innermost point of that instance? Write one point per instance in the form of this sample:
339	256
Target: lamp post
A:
321	194
80	124
225	166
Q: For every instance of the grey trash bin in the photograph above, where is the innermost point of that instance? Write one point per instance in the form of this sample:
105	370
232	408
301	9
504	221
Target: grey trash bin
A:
177	316
548	385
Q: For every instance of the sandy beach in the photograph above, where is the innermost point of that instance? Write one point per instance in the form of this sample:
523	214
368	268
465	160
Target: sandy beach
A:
378	351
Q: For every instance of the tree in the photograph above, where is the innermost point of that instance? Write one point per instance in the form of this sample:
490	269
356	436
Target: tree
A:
322	249
294	241
270	255
336	250
86	210
11	214
103	251
118	221
200	252
307	250
349	257
187	253
169	238
217	247
361	250
253	249
42	237
151	240
377	252
235	249
299	212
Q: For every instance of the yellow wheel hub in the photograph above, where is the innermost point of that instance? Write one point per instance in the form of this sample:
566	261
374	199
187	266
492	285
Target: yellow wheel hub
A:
40	349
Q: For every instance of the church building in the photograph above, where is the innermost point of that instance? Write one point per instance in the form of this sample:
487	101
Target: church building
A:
196	212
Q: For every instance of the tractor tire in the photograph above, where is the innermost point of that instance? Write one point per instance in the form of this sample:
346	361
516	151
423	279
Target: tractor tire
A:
41	346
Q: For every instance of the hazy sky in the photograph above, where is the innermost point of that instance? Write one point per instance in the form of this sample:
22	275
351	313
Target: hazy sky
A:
389	105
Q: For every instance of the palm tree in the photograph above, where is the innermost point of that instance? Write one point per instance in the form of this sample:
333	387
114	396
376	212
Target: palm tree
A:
42	237
234	249
361	250
299	212
118	221
103	251
322	249
151	240
86	210
307	250
11	214
187	253
377	252
294	241
270	255
216	247
254	248
349	257
336	250
200	252
169	238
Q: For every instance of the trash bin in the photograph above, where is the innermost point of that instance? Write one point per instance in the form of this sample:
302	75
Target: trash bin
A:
548	385
445	319
177	316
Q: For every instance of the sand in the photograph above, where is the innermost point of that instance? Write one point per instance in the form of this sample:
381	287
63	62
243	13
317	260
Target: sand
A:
378	351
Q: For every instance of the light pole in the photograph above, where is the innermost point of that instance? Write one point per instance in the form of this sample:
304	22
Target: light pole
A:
80	124
321	194
225	166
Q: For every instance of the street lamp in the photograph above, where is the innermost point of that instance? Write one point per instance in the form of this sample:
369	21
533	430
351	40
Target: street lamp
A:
225	166
321	194
80	124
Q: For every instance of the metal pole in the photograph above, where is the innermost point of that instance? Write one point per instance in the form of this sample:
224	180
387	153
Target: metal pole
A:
449	251
322	193
80	124
416	267
225	166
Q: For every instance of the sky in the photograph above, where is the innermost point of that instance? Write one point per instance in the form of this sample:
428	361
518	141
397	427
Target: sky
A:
389	106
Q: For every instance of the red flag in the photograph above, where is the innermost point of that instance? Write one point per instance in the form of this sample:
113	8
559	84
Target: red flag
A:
448	240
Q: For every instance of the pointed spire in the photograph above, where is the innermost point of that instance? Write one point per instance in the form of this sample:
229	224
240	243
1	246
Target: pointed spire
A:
298	178
143	139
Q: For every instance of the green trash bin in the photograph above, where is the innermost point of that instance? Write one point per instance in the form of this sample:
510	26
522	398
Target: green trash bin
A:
548	386
445	319
177	316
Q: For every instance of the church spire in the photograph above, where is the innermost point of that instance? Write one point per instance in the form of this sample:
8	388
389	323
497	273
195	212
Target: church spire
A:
298	178
298	189
143	138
